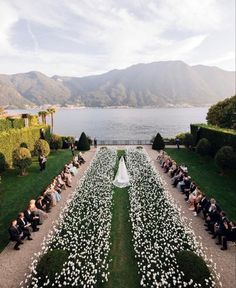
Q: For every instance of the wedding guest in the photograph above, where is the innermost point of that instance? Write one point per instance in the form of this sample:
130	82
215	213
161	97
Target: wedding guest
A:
24	225
230	236
37	212
32	219
42	161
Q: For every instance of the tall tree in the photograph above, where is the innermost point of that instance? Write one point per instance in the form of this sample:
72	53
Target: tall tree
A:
43	115
223	113
51	111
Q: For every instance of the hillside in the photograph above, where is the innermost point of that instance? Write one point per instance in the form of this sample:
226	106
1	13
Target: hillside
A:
167	83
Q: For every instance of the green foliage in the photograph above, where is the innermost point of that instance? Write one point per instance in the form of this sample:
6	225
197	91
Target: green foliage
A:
83	143
218	137
42	146
56	142
66	141
188	140
203	147
24	145
2	162
50	264
33	120
10	123
11	139
223	114
225	158
158	143
22	159
193	267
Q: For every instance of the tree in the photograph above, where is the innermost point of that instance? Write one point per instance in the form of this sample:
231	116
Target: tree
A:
188	140
222	114
22	159
158	143
43	115
51	111
56	142
83	143
203	147
225	158
42	146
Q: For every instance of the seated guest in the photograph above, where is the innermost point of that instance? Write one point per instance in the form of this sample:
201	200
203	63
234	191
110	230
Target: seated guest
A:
194	198
201	205
189	190
40	205
213	217
37	212
60	183
47	200
221	227
230	236
24	225
81	159
72	169
16	234
67	178
32	219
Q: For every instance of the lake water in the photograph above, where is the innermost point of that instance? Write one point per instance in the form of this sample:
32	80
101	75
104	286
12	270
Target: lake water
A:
124	124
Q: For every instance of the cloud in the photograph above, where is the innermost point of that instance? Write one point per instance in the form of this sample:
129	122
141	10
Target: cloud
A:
86	37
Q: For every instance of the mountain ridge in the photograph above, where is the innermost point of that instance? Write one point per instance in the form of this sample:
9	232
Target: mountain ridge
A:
156	84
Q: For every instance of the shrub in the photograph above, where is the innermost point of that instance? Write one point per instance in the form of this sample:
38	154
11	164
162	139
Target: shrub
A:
33	120
24	145
193	267
188	140
66	141
225	158
22	159
43	146
11	139
83	143
203	147
2	162
56	142
218	137
158	143
50	264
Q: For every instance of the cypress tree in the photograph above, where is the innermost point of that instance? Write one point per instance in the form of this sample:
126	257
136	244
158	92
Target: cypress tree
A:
158	143
83	143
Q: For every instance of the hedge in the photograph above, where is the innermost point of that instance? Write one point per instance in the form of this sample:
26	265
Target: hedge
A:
33	120
10	140
9	123
218	137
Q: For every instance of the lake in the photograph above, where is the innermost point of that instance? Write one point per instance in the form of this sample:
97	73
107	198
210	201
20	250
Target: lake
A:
124	124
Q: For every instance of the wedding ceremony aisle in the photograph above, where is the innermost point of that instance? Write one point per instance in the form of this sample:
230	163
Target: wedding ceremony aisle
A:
225	261
14	265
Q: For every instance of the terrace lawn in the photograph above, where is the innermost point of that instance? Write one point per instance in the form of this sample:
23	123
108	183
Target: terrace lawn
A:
123	268
15	191
205	173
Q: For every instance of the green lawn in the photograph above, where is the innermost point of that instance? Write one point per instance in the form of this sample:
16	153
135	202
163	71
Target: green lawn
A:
205	173
123	268
15	191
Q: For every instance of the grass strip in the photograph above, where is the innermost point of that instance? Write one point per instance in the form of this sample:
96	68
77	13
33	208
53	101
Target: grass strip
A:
15	191
123	268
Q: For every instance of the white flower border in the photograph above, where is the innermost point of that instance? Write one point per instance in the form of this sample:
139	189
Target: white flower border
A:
159	230
83	229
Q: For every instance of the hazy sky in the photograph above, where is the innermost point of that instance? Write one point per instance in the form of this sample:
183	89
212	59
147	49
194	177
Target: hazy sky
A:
82	37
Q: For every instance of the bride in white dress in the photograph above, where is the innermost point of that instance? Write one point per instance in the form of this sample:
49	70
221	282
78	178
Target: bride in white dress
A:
122	177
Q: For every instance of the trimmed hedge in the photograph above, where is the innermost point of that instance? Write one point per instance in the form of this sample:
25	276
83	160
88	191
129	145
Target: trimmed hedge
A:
50	264
193	267
218	137
158	143
83	144
33	120
12	139
10	123
203	147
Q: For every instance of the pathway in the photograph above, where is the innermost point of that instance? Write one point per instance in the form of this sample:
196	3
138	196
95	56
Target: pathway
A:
14	264
225	260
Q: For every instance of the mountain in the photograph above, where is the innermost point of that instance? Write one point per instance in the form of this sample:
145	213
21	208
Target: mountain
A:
166	83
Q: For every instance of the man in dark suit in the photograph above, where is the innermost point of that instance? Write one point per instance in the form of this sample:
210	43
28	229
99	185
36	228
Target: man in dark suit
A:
32	219
16	234
24	225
